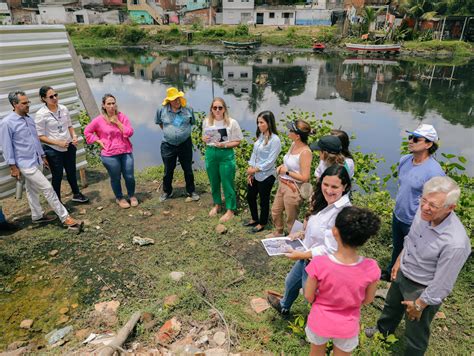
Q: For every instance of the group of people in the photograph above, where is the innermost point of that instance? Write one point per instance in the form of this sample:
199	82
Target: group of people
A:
430	245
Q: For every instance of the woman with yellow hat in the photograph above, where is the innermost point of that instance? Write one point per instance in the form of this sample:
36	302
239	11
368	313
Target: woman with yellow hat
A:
176	120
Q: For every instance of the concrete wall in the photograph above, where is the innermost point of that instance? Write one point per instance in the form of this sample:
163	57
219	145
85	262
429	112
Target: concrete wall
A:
308	16
202	16
141	17
238	4
235	16
192	5
54	14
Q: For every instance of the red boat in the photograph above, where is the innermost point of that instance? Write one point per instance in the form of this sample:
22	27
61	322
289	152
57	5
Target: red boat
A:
318	47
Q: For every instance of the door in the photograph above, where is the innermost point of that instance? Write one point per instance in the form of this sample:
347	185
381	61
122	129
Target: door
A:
259	18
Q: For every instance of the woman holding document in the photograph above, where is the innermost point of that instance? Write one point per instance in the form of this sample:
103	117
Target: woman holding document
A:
330	197
221	133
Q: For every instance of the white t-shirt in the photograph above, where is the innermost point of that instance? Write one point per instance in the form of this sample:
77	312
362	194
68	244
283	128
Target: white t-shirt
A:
54	125
234	133
349	163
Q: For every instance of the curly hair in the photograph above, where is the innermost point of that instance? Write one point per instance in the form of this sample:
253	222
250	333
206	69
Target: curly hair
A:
356	225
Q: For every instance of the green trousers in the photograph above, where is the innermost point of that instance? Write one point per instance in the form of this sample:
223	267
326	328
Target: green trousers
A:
220	167
417	333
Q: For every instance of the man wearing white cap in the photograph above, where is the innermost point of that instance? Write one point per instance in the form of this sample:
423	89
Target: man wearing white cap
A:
414	170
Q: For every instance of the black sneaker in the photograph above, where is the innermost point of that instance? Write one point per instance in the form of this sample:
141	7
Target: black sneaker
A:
80	198
7	226
275	303
45	219
385	276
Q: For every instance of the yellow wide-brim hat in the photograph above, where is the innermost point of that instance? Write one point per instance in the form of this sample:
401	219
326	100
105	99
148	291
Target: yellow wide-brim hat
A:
172	94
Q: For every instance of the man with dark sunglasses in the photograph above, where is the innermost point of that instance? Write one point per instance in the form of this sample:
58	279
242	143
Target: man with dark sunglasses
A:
414	170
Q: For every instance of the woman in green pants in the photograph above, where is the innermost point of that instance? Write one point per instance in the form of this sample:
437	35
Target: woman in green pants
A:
221	134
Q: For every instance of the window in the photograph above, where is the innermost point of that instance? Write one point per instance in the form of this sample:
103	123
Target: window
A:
80	18
244	75
244	90
271	15
230	75
230	0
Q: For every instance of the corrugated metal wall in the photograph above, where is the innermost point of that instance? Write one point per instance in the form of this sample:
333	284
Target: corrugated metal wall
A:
30	57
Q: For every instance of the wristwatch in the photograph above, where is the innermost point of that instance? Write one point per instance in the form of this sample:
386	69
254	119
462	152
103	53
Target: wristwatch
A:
287	173
417	307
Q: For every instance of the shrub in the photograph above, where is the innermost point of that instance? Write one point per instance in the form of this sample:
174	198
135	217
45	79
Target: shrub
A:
174	29
131	35
241	30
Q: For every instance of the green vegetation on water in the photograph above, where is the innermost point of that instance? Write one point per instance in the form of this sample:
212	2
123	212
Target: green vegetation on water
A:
88	36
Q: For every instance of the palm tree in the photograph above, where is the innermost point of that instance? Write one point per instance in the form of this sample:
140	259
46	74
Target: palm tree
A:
370	16
419	9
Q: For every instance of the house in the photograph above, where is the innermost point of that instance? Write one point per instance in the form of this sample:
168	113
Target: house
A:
275	15
145	12
236	12
192	5
5	14
50	14
205	16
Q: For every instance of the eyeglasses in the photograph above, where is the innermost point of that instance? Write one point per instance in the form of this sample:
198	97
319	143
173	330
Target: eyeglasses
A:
432	206
415	139
217	108
53	96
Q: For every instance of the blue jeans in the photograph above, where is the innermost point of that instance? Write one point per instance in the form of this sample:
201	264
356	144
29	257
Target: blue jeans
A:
295	280
2	217
117	166
399	231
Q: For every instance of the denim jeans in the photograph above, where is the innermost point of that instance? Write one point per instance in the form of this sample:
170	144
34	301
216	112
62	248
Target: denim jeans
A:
120	165
169	155
59	161
399	231
295	280
2	217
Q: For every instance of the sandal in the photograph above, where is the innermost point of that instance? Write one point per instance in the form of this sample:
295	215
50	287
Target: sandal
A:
122	203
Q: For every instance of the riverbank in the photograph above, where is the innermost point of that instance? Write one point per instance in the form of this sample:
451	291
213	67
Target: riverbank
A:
55	278
273	38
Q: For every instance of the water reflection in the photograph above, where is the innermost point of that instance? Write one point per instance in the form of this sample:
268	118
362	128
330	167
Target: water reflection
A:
375	99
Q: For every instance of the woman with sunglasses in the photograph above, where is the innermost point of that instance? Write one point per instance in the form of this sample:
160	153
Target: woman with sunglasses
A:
294	171
221	133
261	172
112	131
55	131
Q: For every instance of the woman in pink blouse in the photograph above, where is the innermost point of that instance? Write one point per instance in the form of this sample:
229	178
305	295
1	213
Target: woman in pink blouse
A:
112	131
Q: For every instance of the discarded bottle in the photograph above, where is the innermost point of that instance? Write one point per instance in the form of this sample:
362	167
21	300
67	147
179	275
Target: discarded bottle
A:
19	189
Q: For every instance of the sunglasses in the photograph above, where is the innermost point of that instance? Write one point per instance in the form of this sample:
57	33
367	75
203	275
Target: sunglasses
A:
217	108
415	139
53	96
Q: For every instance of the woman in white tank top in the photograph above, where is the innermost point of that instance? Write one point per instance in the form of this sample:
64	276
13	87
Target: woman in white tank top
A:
294	170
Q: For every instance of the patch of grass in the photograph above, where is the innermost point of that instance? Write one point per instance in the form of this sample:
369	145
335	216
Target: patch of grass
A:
458	48
226	270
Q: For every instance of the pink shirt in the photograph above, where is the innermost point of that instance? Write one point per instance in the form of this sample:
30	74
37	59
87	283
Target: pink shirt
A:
341	290
115	141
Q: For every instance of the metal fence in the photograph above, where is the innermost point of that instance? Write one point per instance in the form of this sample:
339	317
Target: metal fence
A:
32	56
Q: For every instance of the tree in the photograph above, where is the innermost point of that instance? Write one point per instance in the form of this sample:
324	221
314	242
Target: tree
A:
420	9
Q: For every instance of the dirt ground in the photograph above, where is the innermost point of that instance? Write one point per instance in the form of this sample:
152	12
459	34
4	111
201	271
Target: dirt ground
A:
55	278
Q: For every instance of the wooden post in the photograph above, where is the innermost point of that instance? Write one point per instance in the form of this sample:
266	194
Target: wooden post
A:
82	173
463	28
442	30
121	336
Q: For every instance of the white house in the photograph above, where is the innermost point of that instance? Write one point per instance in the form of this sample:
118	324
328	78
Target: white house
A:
58	14
5	14
235	12
275	15
309	15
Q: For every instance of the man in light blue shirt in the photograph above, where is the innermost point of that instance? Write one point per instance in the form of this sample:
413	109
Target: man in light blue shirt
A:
23	153
434	252
414	170
176	120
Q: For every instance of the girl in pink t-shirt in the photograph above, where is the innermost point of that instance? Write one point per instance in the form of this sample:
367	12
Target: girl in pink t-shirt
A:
339	284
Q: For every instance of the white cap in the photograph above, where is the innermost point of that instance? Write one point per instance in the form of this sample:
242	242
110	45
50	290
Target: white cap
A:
427	131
